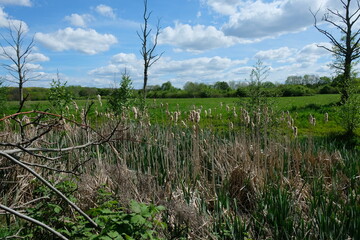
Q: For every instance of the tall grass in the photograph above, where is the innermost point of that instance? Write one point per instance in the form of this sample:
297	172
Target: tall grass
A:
256	180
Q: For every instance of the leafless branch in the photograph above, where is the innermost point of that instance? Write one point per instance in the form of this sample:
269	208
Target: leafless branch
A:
45	182
27	218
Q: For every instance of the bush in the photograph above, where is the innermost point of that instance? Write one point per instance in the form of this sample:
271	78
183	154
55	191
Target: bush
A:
349	114
120	97
328	90
59	96
295	90
3	92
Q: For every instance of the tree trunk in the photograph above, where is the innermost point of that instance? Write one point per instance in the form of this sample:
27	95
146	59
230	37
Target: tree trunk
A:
145	81
21	94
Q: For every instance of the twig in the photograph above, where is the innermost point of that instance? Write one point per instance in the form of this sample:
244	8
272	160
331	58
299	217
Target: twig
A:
50	186
30	219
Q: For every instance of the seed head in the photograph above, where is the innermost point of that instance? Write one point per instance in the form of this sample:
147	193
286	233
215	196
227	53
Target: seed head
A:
99	98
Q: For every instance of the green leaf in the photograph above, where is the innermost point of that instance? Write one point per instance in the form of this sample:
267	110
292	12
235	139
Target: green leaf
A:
135	207
137	219
57	209
105	238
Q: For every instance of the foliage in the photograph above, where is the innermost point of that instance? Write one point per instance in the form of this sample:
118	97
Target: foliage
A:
59	96
141	221
3	93
349	113
295	90
120	98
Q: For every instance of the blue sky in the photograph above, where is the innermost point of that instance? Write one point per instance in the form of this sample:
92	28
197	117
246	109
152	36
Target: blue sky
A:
90	43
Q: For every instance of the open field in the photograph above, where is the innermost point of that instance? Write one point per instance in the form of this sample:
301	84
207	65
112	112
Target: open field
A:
227	173
283	103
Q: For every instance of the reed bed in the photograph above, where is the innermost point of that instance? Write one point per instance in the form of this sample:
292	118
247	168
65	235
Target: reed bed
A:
254	180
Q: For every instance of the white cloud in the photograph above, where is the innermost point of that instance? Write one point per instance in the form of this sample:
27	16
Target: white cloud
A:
195	38
203	69
86	41
6	21
79	20
38	57
276	54
32	57
26	3
259	19
105	11
309	54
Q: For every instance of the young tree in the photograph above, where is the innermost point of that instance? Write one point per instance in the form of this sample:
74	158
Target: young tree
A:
17	52
3	92
346	49
148	50
59	95
120	97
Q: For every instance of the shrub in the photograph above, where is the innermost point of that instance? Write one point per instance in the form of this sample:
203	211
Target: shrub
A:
59	96
296	90
349	113
120	98
3	92
328	90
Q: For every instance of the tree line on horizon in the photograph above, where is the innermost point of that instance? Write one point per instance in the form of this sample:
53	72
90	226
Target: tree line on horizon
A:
305	85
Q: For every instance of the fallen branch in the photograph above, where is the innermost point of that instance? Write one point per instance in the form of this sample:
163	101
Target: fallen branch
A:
27	218
49	186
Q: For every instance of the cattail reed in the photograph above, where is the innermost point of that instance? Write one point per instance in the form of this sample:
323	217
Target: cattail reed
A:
295	131
326	117
76	106
99	99
197	117
176	116
135	111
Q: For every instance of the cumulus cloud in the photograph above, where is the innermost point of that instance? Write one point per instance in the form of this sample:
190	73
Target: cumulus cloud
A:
6	21
26	3
195	38
105	11
78	20
32	57
259	19
309	54
205	69
86	41
276	54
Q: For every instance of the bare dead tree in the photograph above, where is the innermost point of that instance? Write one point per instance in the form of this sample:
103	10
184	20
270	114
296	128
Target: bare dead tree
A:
148	50
17	52
346	49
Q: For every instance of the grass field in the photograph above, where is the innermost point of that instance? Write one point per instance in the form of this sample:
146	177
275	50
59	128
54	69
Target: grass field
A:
225	173
283	103
299	107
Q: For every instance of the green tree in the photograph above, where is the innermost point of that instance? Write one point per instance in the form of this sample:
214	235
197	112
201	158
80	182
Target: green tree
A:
3	98
120	98
223	86
349	113
257	94
167	86
59	95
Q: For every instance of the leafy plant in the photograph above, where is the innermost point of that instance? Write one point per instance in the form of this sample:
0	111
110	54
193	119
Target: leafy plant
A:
141	221
349	113
120	97
3	92
59	95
